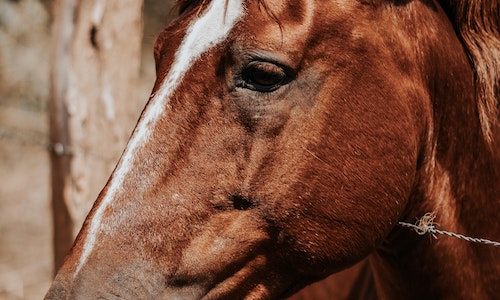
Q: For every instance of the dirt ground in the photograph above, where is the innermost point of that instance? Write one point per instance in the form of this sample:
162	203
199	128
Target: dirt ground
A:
25	216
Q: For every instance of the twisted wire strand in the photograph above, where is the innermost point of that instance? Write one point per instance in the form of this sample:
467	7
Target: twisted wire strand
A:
426	225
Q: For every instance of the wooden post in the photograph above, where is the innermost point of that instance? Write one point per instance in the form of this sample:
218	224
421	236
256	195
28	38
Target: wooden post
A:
95	60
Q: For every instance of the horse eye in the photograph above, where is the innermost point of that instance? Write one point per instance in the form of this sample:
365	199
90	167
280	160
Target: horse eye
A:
264	76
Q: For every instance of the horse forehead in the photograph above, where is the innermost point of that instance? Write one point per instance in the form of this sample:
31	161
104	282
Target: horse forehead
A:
291	8
283	12
279	27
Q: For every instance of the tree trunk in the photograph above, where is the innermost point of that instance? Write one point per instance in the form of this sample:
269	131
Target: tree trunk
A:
95	60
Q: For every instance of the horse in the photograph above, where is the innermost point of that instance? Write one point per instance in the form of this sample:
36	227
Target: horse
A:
285	141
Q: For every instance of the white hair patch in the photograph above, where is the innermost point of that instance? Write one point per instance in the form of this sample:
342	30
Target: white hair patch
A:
204	33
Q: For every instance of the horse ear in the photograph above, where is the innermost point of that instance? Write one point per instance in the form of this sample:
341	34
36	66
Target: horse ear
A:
477	23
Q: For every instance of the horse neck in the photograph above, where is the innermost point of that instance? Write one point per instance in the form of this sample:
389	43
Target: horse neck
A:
458	181
461	177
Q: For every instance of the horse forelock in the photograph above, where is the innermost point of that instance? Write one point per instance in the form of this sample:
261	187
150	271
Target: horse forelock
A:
478	25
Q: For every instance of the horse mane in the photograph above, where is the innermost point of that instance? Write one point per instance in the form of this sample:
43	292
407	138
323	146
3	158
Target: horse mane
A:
477	23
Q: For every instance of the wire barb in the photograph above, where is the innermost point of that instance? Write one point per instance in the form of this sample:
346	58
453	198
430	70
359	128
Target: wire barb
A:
426	225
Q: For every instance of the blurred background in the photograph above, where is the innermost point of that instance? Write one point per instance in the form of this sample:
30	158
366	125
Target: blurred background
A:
26	247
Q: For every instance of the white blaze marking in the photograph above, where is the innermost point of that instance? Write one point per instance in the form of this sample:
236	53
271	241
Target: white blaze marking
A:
203	34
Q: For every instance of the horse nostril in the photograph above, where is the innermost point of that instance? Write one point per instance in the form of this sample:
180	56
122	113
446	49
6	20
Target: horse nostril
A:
240	202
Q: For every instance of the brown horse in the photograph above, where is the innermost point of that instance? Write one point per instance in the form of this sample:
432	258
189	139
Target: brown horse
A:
284	141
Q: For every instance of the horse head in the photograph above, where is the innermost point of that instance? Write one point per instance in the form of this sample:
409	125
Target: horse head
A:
283	141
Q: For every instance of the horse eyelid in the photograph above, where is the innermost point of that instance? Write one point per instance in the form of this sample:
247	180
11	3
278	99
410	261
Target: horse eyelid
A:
248	77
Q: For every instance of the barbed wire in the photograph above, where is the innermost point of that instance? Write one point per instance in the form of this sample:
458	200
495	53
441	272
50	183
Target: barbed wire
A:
426	225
